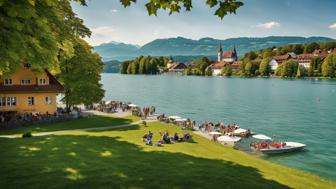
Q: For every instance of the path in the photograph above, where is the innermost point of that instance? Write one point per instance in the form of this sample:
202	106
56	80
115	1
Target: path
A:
84	129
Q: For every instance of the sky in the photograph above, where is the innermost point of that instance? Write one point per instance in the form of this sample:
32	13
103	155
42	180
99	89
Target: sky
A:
110	21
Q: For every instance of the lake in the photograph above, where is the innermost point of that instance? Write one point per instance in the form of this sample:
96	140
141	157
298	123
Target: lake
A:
296	110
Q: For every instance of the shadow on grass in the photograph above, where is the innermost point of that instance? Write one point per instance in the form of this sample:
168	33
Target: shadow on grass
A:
81	123
105	162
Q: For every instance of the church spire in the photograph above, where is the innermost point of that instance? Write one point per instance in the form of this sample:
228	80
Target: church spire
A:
220	52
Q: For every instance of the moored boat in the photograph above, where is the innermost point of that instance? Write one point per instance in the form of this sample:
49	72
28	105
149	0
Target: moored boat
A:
290	147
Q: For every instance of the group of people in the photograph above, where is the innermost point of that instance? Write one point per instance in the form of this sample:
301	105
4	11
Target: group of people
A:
268	145
148	111
187	124
220	127
165	138
111	106
14	119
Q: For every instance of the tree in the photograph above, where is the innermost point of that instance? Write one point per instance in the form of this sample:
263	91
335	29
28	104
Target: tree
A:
142	66
248	69
124	66
264	67
289	68
129	68
226	70
328	66
298	49
80	76
301	72
223	7
40	32
311	47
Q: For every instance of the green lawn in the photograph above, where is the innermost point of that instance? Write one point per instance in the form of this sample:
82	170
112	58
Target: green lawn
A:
86	122
119	159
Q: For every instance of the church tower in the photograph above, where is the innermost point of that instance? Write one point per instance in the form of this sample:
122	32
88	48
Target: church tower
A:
220	53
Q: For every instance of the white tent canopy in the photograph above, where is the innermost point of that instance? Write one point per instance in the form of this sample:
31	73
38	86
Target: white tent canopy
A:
174	117
108	102
228	139
132	105
238	131
181	120
262	137
215	133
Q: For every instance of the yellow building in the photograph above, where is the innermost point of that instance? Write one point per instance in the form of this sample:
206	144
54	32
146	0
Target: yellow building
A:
26	92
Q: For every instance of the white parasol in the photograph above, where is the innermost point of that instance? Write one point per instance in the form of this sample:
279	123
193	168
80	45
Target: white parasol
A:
215	133
228	139
262	137
238	131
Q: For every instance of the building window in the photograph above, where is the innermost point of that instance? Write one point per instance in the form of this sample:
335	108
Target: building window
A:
2	101
8	81
31	101
48	100
42	81
11	101
25	81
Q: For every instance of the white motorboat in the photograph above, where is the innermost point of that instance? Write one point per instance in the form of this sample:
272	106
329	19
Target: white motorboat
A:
289	147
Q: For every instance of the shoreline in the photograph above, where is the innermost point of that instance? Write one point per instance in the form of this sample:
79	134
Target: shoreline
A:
232	76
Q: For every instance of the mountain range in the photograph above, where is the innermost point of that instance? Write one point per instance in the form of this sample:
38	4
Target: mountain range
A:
184	47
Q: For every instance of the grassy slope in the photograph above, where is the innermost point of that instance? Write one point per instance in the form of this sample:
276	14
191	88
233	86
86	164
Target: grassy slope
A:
119	159
86	122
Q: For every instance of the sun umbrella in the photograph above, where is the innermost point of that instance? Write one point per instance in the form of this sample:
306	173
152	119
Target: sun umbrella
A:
174	117
228	139
262	137
132	105
215	133
181	120
238	131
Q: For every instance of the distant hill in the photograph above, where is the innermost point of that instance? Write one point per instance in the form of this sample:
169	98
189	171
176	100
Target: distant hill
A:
188	47
112	66
117	51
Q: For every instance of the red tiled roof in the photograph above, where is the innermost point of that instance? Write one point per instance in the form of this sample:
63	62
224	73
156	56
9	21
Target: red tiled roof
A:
281	58
219	65
229	54
178	66
305	56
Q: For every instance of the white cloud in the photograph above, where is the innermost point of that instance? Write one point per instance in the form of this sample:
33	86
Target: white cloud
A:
102	34
269	25
114	10
102	31
333	26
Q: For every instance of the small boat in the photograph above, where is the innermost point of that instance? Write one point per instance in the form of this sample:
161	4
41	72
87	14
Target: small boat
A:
269	146
290	147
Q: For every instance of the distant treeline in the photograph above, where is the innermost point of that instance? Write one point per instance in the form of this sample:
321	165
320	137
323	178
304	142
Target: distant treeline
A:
143	65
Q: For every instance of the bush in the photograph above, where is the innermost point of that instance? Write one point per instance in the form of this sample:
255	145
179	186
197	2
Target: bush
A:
144	123
27	135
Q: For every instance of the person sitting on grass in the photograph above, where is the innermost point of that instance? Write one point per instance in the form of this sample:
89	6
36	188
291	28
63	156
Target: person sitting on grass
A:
176	137
165	138
187	137
148	138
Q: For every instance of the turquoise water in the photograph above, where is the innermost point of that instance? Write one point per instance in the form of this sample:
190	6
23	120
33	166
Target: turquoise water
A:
296	110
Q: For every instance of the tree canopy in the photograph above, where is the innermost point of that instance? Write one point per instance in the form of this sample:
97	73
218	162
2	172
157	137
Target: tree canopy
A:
222	7
36	31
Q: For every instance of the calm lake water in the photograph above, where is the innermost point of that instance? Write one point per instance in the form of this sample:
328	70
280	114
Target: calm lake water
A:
296	110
